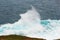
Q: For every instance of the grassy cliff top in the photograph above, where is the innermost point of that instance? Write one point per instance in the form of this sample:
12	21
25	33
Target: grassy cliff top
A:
17	37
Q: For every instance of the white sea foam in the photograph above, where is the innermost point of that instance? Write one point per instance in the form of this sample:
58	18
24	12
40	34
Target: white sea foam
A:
30	25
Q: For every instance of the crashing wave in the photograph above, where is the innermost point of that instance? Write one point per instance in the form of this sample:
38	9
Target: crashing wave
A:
30	25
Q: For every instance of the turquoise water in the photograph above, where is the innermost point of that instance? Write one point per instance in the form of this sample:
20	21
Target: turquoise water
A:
51	28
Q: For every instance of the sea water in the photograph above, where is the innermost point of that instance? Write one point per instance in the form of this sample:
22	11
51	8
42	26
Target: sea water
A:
30	25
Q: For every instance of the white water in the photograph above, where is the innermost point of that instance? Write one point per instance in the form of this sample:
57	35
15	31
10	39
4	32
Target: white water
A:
30	25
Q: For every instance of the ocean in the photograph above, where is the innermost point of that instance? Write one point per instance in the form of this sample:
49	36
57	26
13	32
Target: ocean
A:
31	18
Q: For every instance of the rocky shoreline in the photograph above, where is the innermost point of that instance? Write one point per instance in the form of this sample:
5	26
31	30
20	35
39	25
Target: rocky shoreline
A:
17	37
